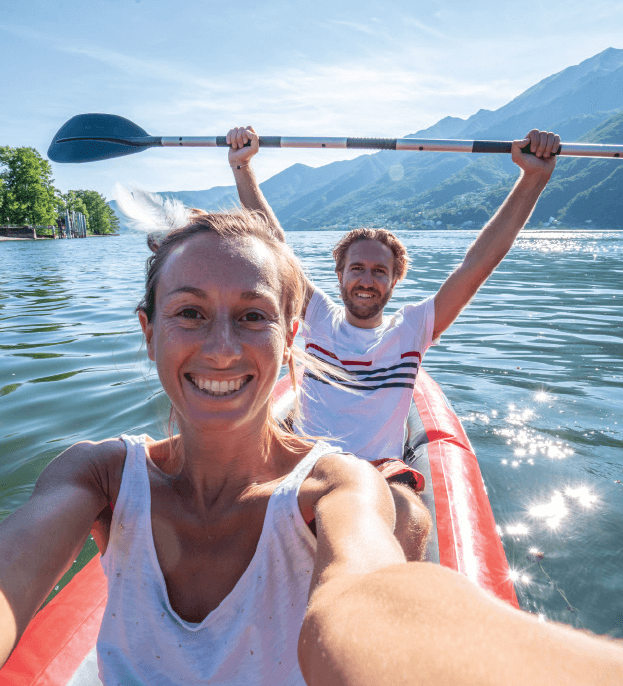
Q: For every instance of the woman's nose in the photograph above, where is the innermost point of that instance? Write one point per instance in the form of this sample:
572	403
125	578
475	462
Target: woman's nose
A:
222	344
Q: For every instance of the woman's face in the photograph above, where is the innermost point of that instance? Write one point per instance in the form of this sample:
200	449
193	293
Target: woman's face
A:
218	336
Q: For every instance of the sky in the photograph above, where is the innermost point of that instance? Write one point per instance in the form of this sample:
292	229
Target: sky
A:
199	67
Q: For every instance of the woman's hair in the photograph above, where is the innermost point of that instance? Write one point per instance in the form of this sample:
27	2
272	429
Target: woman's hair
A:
401	258
243	224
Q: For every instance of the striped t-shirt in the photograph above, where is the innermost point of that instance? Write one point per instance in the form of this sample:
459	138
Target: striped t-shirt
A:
383	364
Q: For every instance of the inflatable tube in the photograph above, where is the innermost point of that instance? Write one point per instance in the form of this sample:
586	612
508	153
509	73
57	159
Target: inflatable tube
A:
58	648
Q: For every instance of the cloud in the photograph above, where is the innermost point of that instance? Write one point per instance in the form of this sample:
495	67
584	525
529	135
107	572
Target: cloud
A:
424	27
159	70
343	99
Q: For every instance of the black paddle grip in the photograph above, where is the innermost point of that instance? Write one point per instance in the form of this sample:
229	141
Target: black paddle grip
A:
502	146
265	142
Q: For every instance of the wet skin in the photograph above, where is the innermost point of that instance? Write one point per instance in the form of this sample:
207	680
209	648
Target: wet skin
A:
367	282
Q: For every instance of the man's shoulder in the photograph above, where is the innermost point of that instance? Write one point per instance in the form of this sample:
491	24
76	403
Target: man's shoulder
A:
321	307
415	314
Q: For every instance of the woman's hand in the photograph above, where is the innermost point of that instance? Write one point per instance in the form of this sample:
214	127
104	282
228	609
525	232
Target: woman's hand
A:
240	154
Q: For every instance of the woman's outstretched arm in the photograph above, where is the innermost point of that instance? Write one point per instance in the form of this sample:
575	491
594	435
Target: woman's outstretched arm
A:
420	623
40	541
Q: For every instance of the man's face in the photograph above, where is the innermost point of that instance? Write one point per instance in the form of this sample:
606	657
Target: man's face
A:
367	282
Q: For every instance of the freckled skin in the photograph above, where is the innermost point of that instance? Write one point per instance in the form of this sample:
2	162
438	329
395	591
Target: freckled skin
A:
217	330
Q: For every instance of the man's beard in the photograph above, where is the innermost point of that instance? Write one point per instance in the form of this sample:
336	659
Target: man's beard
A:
360	308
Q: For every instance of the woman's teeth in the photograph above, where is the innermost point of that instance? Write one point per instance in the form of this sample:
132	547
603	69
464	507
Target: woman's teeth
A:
218	388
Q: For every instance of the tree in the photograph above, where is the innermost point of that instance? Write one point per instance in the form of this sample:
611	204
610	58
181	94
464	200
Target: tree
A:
102	219
26	190
72	202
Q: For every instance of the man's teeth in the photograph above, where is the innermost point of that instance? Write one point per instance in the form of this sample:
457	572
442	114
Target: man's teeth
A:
218	388
365	295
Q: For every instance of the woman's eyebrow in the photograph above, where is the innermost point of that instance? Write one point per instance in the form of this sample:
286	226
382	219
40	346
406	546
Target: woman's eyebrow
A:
188	289
253	294
256	294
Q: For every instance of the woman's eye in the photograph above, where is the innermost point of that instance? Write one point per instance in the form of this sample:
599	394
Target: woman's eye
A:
253	317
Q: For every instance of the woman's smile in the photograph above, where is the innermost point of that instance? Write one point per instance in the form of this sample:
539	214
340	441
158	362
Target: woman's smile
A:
215	388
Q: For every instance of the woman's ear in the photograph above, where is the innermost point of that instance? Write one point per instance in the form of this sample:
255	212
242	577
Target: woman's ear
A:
153	242
294	327
148	331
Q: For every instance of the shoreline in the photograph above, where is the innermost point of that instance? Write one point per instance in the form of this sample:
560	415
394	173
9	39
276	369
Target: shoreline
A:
49	238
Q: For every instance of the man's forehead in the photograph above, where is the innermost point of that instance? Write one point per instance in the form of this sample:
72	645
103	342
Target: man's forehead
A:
369	250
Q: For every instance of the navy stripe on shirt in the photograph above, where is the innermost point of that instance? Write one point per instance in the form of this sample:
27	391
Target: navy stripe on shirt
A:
362	386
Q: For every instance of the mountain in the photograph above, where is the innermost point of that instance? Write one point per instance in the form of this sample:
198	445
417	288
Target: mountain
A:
415	190
581	191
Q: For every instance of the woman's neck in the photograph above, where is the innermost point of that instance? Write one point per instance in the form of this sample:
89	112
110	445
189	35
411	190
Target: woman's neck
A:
220	465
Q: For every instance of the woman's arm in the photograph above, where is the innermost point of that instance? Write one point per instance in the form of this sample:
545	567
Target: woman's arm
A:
40	541
374	620
356	505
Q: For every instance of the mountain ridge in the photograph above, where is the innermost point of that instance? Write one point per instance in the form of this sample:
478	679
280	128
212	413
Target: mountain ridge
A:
418	190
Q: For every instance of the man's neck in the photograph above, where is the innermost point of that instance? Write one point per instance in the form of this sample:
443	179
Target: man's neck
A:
372	323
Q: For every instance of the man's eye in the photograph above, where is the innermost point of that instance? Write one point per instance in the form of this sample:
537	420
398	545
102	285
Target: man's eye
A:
189	313
253	317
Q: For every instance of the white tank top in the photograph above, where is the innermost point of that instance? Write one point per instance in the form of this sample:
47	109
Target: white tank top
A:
249	639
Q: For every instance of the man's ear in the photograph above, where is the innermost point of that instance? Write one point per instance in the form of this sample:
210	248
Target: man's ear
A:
339	276
148	331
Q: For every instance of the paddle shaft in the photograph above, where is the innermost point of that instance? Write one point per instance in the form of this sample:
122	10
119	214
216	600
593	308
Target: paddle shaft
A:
410	144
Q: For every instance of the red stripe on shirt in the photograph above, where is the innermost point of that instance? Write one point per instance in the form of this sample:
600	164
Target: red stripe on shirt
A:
335	357
413	353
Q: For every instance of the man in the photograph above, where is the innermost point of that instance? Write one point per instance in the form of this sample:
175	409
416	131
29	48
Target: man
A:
382	354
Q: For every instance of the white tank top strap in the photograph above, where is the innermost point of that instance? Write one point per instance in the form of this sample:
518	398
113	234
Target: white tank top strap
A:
133	504
305	466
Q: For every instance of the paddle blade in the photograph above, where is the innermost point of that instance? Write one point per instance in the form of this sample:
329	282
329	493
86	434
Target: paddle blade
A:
90	137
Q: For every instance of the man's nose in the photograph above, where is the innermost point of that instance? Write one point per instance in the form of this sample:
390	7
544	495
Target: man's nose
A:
366	278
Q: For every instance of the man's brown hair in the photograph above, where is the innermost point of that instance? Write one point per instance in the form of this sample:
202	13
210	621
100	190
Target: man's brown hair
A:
401	259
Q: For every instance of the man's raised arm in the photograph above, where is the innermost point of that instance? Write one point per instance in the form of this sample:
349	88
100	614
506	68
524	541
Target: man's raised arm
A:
498	236
249	191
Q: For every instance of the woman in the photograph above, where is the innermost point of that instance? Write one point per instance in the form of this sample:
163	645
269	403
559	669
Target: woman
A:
205	536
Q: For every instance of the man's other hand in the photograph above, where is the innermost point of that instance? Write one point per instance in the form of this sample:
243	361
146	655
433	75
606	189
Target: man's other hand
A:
542	144
239	155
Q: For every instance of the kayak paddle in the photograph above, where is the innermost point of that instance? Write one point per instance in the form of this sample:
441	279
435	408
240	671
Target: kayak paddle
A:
90	137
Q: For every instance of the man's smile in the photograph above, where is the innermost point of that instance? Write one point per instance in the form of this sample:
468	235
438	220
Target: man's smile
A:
365	294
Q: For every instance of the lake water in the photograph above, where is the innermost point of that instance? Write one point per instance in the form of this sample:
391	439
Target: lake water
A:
534	368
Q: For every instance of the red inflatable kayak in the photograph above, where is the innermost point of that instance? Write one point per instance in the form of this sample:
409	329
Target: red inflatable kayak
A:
58	648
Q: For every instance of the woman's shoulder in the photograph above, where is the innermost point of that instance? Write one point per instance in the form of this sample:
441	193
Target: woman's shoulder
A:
338	468
336	471
86	452
97	465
